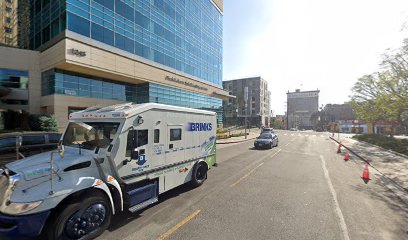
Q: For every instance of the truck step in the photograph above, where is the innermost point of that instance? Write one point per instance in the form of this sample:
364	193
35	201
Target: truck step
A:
144	204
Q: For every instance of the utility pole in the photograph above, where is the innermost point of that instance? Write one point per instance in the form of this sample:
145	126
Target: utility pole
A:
246	110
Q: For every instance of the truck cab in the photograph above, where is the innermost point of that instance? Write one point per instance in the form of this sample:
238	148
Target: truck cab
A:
109	160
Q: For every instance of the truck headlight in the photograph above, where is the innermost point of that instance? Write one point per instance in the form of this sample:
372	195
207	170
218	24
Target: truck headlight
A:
14	208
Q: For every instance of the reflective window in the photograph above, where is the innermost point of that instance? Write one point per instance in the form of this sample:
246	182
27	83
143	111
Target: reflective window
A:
183	35
69	83
11	78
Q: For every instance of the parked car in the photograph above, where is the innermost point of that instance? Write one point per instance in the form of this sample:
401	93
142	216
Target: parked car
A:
267	130
266	140
32	143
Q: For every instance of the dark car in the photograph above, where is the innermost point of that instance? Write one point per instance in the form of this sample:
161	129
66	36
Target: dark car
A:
267	130
32	143
266	140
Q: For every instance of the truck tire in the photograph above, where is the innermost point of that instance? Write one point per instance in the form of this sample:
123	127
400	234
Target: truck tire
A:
84	218
199	174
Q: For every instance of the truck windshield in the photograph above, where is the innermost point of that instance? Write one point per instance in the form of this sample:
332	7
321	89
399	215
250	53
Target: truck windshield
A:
89	135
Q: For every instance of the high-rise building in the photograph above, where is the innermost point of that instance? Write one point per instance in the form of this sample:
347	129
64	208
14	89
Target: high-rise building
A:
257	110
15	23
8	22
102	52
300	107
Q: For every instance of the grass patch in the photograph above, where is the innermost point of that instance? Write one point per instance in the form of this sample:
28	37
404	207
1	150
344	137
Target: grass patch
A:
221	130
390	143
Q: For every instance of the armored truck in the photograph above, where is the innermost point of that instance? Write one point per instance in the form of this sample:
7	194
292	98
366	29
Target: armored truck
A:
109	160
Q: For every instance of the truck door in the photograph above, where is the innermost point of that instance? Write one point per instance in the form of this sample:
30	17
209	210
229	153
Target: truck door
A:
139	140
175	144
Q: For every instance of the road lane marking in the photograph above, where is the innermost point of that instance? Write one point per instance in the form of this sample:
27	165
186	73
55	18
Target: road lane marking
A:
179	225
250	172
246	175
343	225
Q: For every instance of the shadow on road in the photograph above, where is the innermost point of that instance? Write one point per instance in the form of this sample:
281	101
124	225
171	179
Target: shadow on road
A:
386	196
123	218
260	149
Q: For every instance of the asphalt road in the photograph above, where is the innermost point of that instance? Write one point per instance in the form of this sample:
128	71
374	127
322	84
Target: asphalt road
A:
301	189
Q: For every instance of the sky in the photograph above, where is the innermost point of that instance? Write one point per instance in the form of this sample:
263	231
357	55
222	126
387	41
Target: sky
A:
309	45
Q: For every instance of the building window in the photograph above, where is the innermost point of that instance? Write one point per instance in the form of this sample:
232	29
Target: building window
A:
11	78
8	30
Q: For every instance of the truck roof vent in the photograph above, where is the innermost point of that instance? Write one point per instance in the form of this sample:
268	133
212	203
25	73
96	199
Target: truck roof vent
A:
115	107
90	109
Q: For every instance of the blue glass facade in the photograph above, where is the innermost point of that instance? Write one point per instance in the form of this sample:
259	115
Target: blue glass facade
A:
69	83
182	34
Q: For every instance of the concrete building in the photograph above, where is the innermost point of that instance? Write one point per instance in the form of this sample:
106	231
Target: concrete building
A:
86	53
300	107
336	112
258	106
15	23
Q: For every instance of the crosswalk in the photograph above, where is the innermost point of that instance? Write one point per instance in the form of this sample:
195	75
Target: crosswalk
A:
304	135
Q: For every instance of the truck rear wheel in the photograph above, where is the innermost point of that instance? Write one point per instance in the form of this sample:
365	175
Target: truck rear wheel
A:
199	174
85	218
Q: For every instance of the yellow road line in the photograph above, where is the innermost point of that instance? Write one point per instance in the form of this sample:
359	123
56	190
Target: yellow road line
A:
250	172
179	225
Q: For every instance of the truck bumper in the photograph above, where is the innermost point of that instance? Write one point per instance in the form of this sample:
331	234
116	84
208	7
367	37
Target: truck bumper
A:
22	227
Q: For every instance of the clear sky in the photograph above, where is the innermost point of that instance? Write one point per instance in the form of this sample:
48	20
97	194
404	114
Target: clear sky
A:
313	44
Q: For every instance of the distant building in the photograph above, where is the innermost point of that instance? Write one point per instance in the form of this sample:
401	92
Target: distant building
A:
15	23
338	112
258	105
300	107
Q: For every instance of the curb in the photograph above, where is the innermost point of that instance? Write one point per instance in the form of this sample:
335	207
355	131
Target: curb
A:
245	140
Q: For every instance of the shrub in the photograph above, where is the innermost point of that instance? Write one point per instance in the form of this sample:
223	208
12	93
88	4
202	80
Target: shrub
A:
42	122
387	142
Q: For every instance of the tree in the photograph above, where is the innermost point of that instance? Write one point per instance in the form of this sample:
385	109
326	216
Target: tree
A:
384	94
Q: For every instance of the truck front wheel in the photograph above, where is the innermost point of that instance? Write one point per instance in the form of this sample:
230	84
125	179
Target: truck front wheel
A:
86	218
199	174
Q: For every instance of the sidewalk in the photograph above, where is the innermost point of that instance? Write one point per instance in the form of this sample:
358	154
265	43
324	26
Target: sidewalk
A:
391	165
253	133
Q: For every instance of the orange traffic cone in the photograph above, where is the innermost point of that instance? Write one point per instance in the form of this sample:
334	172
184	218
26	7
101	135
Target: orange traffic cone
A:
366	174
339	149
347	156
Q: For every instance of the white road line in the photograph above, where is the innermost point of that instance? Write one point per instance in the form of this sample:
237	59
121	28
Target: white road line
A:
343	225
285	134
291	134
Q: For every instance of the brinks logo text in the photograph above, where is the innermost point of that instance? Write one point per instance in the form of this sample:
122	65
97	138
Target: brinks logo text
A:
198	127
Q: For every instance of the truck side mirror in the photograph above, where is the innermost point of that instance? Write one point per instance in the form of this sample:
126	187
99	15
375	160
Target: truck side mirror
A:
134	154
61	149
19	141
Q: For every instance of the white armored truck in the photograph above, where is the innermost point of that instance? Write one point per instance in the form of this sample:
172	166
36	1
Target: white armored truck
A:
111	159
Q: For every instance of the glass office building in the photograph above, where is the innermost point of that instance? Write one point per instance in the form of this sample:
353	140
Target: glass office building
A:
69	83
103	52
180	34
